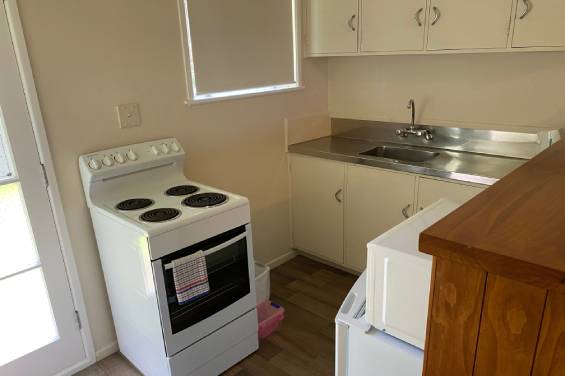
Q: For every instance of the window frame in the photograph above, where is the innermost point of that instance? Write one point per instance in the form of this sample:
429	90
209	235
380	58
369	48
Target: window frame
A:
193	97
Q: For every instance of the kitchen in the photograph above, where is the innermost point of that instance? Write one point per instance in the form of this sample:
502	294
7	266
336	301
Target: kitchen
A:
86	58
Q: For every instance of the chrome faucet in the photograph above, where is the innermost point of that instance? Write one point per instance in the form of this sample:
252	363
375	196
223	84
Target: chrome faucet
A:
412	106
413	129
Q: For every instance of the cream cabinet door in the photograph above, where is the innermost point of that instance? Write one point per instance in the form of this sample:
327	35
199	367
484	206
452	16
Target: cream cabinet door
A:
430	191
464	24
539	23
332	26
392	25
376	200
317	187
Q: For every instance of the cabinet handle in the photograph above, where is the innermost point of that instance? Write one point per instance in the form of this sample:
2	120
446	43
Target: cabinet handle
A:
417	16
337	195
350	22
527	10
438	15
405	211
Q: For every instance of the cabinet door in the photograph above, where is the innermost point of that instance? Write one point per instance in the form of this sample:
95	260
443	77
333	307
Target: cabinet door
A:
539	23
392	25
317	211
333	26
374	203
430	191
463	24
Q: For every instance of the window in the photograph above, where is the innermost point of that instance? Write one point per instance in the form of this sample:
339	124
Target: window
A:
240	47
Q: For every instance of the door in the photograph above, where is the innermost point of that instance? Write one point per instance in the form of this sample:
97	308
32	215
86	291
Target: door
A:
376	201
539	24
430	191
317	206
333	26
462	24
393	25
39	334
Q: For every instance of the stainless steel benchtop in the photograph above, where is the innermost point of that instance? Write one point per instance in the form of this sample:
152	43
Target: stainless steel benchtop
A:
456	163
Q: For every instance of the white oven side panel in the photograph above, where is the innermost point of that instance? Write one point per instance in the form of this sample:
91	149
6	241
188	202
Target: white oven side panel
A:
131	289
178	341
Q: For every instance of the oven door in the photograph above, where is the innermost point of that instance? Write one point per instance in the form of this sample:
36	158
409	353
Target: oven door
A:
229	262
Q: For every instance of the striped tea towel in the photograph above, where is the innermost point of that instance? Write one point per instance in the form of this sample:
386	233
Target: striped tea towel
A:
191	277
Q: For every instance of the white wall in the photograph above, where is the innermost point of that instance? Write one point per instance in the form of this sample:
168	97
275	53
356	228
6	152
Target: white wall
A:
88	56
501	90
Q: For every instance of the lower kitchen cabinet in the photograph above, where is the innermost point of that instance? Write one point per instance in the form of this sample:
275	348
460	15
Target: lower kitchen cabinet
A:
337	208
376	200
317	187
431	190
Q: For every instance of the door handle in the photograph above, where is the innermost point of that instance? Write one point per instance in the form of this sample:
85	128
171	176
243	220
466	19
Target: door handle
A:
350	22
437	13
528	5
336	195
405	211
417	17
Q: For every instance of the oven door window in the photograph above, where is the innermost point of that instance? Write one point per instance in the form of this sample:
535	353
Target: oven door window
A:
228	276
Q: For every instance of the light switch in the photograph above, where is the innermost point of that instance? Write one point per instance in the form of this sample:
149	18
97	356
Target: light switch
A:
128	115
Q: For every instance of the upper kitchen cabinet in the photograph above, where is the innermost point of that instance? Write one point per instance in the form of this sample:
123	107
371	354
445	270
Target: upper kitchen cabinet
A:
376	201
393	25
332	26
539	23
463	24
317	187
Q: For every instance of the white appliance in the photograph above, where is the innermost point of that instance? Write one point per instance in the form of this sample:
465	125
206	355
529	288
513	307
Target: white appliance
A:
381	325
145	215
362	350
398	277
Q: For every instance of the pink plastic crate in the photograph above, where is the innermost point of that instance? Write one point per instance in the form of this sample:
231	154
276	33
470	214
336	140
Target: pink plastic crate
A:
269	316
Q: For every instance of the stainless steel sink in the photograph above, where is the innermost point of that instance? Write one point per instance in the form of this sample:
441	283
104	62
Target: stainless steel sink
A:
401	154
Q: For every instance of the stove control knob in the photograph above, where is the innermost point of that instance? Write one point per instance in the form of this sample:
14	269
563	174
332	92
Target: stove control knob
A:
120	158
175	147
94	164
155	150
165	148
108	161
132	156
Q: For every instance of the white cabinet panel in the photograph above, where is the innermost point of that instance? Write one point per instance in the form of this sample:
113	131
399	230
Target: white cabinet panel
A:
317	206
392	25
430	191
332	26
539	23
374	203
463	24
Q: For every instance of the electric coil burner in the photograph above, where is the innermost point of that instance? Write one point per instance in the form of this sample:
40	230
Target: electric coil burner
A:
203	200
182	190
160	215
135	204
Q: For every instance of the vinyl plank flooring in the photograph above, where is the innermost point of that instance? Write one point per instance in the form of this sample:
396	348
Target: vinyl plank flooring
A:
311	293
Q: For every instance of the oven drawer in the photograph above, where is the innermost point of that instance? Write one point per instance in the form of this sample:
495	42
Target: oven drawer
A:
218	351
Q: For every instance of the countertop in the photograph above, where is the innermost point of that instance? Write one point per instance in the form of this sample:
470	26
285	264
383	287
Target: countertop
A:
462	166
515	228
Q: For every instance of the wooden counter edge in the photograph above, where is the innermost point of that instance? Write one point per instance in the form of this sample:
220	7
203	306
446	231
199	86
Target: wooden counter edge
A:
519	270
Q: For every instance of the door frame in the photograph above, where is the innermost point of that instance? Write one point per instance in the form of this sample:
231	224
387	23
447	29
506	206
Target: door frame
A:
34	109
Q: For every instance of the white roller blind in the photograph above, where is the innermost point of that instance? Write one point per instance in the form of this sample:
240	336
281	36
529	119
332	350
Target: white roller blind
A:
237	45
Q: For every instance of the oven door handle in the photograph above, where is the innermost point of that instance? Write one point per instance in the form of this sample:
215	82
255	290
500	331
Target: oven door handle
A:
216	248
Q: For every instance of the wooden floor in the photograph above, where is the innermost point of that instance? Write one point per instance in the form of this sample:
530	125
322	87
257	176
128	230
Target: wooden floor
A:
311	294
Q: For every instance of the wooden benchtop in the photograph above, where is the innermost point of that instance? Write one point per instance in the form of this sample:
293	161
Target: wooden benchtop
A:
516	228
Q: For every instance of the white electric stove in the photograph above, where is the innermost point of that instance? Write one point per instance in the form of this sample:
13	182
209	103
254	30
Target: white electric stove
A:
146	214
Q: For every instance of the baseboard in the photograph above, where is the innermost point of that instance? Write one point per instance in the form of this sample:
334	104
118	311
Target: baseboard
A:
281	259
107	350
327	262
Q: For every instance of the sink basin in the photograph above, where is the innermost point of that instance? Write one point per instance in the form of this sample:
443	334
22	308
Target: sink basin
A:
401	154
